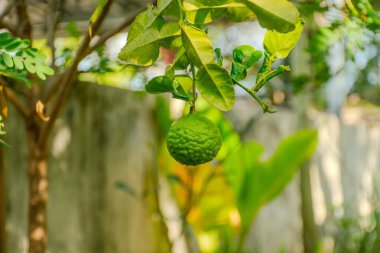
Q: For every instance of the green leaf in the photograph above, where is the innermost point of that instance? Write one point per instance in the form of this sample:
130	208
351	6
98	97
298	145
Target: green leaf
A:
144	21
170	71
182	87
239	14
181	61
279	45
279	15
14	46
72	29
8	60
18	62
215	85
6	42
168	8
40	73
244	58
159	84
254	182
219	57
95	15
198	45
144	49
46	70
29	67
4	36
202	12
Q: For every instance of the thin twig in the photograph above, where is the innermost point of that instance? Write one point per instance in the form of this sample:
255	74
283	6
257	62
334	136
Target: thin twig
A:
9	27
110	34
68	79
11	96
51	27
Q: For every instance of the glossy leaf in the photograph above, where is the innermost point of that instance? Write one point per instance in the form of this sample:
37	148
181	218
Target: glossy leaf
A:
244	57
144	49
144	21
182	87
215	85
279	45
198	45
7	60
159	84
181	61
279	15
239	14
203	12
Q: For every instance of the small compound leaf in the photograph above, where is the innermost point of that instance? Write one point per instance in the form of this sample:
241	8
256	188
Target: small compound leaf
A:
279	15
18	62
4	36
159	84
29	67
8	60
215	85
279	45
14	46
198	45
46	70
40	73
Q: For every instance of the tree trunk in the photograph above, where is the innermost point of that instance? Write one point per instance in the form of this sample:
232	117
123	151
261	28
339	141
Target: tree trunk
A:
37	174
3	238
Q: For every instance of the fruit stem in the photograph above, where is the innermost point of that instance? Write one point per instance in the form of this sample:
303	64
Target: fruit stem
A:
192	108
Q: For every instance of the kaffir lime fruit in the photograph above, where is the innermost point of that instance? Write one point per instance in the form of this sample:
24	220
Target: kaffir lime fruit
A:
193	139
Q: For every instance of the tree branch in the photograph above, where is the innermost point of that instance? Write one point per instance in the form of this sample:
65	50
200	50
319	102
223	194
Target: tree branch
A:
7	9
67	81
9	27
110	34
14	100
24	27
51	27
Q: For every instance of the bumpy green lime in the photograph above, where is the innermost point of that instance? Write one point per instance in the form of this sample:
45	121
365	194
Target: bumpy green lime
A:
193	139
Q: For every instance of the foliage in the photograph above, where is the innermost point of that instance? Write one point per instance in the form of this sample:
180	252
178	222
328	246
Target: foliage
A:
351	237
195	53
255	182
17	59
356	31
221	199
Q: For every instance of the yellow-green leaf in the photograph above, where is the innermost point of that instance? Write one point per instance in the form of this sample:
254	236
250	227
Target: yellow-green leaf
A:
144	49
215	85
198	45
279	15
279	45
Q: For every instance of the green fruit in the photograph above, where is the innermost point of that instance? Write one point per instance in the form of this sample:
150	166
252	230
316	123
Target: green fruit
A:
193	139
